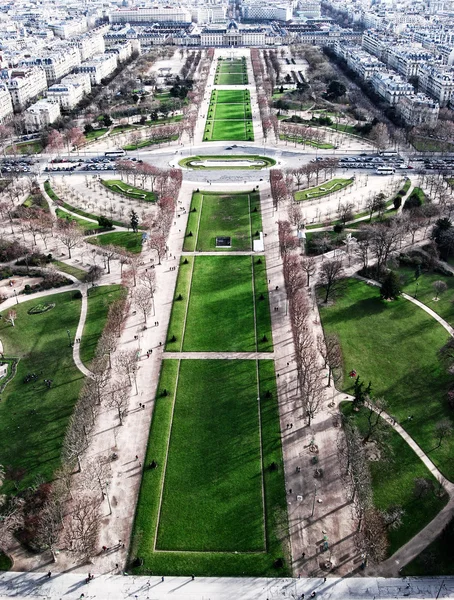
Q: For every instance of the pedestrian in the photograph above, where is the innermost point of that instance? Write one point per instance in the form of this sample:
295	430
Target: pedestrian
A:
324	580
104	548
290	491
193	577
302	596
313	594
116	565
137	458
162	578
49	574
291	425
303	555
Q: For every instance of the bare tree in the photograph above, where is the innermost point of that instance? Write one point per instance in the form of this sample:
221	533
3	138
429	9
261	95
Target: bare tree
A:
309	267
393	516
443	429
440	287
142	300
70	236
126	364
118	398
330	349
83	527
331	273
376	427
157	242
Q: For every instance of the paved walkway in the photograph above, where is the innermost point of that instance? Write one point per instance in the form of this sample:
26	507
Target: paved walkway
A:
79	332
72	586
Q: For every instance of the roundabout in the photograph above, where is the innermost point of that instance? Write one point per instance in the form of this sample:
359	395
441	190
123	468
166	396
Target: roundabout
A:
227	162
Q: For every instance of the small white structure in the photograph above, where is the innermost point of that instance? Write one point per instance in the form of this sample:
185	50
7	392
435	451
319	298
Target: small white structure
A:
259	246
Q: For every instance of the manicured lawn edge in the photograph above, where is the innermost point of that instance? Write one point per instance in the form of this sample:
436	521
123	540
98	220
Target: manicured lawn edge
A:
179	307
188	162
211	563
116	186
329	187
262	306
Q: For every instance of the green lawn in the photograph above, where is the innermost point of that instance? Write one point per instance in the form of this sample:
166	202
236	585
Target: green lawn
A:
120	187
425	292
74	271
225	107
393	479
26	148
231	79
234	215
437	559
395	345
123	239
33	418
212	514
233	131
87	226
220	307
324	189
99	300
222	510
191	161
94	135
230	96
230	111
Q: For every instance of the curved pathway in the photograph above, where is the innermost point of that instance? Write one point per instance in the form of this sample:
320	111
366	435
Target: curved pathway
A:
79	332
428	534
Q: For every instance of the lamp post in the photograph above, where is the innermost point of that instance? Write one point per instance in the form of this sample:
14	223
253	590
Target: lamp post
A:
69	337
17	299
416	290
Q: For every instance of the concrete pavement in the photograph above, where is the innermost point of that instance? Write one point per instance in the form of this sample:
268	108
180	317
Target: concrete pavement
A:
72	586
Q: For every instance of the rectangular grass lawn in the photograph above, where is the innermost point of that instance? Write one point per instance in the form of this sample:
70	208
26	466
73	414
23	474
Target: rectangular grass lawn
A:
234	215
212	517
231	79
232	131
212	500
220	314
395	346
229	111
230	96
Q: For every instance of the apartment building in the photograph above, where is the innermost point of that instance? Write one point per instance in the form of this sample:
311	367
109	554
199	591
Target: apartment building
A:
152	14
6	105
41	114
99	67
24	84
56	63
309	9
122	50
68	28
437	82
79	79
67	95
88	45
390	86
407	61
418	109
256	11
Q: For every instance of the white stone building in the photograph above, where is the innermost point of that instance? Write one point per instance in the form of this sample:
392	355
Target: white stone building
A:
418	109
99	67
437	82
67	95
57	63
79	79
6	105
390	86
24	84
41	114
152	14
